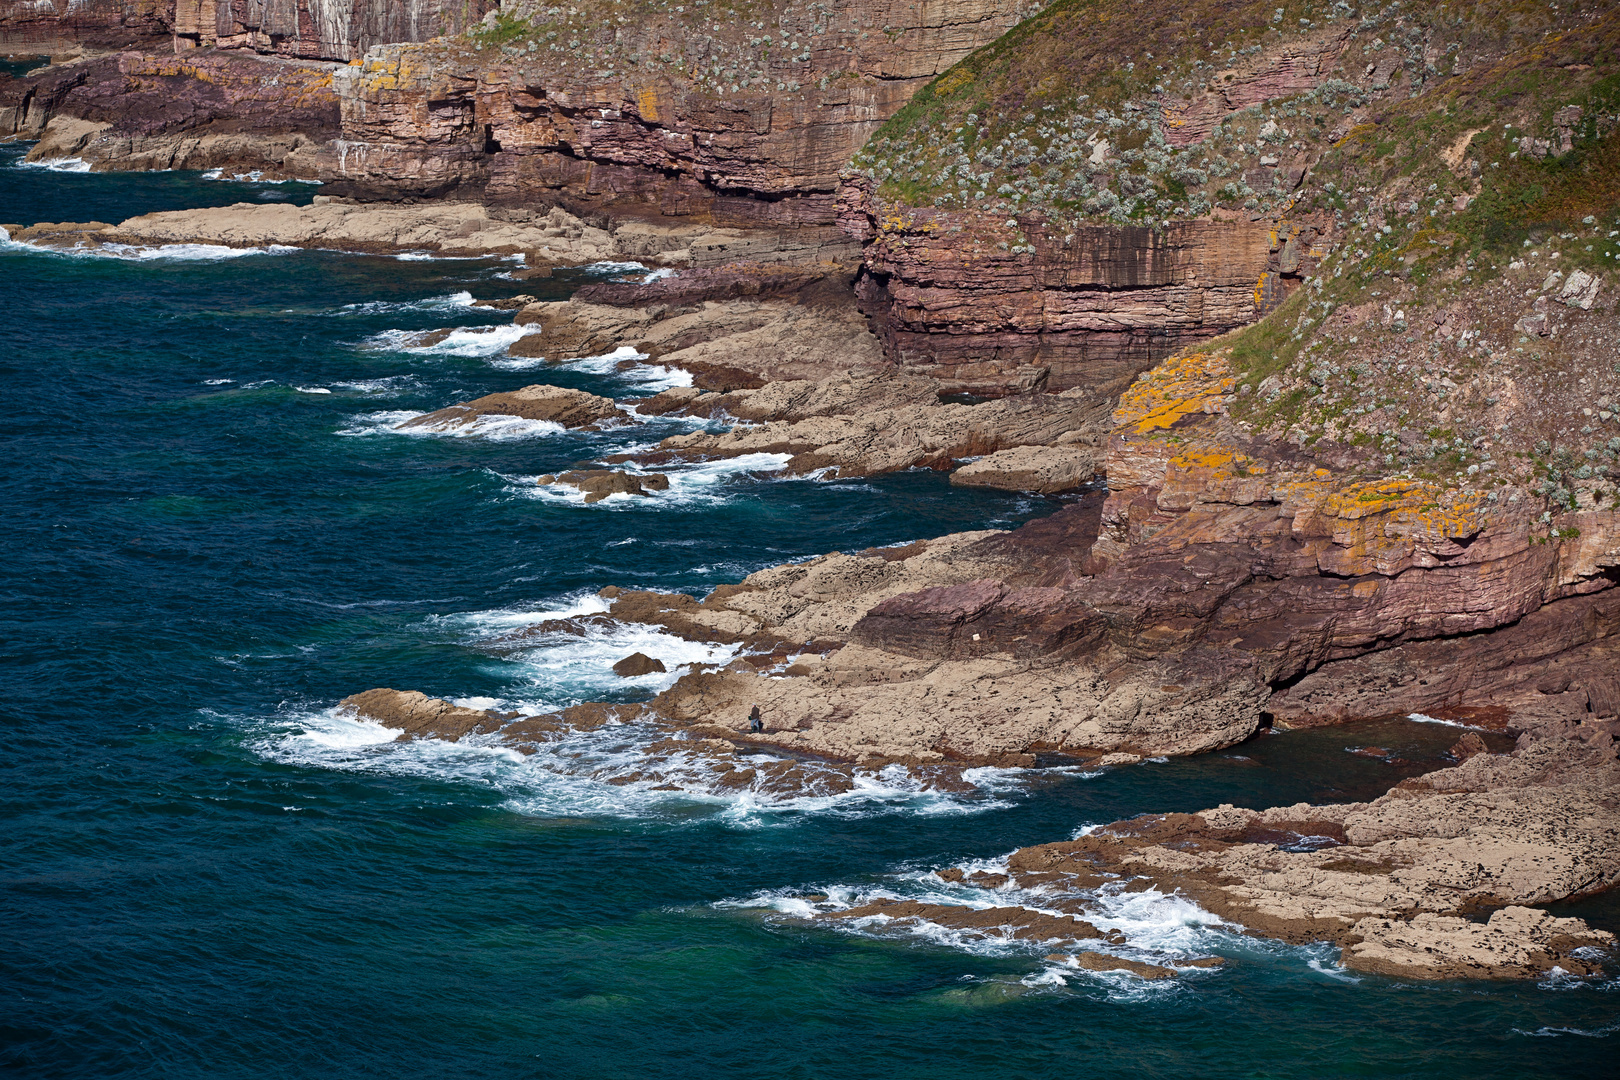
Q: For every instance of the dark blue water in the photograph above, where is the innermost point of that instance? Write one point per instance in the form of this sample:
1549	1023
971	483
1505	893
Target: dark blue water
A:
204	873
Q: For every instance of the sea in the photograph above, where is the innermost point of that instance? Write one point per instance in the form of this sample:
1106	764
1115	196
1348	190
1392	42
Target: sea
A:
214	531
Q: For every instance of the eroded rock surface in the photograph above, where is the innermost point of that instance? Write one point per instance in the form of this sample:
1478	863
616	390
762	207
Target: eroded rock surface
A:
734	327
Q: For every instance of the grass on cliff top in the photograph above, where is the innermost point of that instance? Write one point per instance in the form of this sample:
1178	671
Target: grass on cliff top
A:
1015	125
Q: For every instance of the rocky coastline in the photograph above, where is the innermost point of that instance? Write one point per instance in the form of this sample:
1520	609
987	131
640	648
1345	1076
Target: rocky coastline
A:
1334	417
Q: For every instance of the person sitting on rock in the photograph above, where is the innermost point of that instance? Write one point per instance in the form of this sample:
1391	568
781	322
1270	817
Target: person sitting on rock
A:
754	722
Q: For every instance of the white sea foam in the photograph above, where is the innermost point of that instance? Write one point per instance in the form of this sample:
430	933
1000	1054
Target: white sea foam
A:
142	253
611	772
436	256
1331	970
217	382
700	483
648	377
469	341
312	390
1425	718
1158	928
448	302
612	267
658	275
255	177
1584	1033
64	165
392	384
498	428
561	667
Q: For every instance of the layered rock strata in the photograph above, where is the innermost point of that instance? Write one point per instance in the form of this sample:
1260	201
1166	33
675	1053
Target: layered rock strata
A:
1074	306
639	106
135	110
318	29
46	27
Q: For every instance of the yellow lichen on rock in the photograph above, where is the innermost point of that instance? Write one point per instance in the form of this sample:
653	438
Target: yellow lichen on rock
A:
1179	387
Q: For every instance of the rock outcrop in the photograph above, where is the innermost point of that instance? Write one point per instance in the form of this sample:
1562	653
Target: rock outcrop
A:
135	110
734	327
545	239
1398	882
598	484
1046	470
870	435
553	404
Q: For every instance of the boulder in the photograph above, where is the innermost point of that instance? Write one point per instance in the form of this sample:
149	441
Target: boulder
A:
637	664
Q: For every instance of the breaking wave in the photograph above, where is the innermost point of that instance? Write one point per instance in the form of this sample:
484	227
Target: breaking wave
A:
468	341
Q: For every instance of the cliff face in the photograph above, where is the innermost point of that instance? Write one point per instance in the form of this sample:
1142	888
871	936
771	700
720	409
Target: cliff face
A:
742	114
1105	184
1066	305
319	29
198	110
59	26
311	29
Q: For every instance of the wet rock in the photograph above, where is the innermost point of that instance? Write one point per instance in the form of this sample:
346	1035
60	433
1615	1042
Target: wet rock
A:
508	303
1467	746
637	664
1088	960
556	404
418	716
598	484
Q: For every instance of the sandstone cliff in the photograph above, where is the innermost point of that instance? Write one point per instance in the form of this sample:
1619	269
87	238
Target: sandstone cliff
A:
745	115
1109	182
61	27
312	29
207	110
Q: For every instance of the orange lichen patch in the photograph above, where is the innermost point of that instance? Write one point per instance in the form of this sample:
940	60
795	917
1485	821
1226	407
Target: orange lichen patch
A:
1179	387
647	105
1416	509
1211	461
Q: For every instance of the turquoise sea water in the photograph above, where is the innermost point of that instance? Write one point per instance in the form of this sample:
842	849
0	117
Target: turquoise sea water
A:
212	534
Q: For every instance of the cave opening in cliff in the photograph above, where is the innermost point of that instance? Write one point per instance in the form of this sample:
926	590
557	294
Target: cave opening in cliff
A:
492	145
